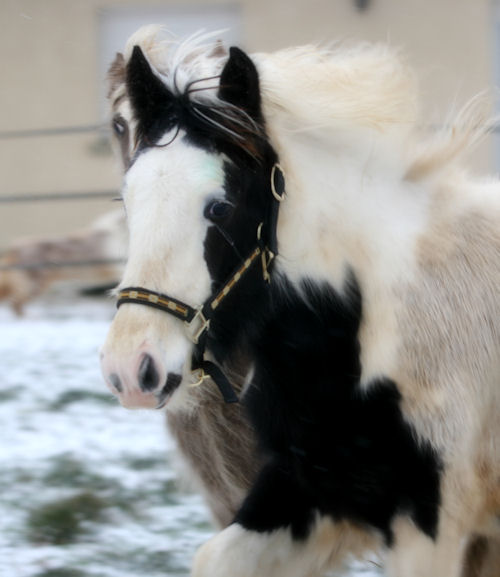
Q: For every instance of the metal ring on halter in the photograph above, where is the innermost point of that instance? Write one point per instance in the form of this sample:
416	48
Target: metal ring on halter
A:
277	196
267	256
201	379
259	231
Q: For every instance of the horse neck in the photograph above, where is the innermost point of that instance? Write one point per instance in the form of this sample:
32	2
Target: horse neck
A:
348	205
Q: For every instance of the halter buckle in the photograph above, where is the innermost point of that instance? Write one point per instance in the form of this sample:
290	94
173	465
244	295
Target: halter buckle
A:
201	376
197	325
267	258
266	255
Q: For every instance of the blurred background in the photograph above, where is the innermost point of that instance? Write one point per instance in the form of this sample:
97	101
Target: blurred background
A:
87	488
57	172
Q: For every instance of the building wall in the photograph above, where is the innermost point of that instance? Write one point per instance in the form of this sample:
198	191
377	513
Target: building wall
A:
52	77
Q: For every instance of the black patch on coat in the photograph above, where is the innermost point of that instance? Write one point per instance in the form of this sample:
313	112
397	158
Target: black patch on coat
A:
332	448
155	107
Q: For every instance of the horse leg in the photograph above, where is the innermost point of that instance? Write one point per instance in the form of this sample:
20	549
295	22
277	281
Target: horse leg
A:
238	552
414	554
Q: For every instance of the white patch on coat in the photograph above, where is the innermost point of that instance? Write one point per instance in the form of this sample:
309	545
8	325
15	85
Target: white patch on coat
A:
416	555
165	193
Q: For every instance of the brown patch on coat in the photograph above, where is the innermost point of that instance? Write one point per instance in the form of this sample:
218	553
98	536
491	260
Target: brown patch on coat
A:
219	444
474	557
482	558
218	51
116	74
450	353
452	326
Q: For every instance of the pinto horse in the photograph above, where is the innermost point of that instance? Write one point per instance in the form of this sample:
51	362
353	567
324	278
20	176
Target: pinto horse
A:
289	225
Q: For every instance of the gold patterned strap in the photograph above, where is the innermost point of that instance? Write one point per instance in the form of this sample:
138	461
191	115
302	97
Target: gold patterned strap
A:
200	316
155	300
215	302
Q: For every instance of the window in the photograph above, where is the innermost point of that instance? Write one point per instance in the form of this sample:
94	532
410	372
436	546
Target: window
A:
116	24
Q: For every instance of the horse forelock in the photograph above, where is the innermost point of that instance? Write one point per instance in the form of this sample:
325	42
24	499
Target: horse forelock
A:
190	70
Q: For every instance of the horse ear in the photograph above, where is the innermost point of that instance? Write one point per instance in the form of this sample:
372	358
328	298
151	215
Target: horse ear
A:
116	73
239	83
148	94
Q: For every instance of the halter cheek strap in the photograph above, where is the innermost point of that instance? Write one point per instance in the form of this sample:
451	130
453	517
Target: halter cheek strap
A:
197	320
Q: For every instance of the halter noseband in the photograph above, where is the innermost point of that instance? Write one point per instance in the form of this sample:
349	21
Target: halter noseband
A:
197	320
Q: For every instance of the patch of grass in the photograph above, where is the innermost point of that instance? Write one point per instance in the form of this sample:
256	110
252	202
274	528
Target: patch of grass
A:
140	561
63	521
62	572
69	472
127	502
167	493
158	494
162	562
9	395
77	396
16	483
145	463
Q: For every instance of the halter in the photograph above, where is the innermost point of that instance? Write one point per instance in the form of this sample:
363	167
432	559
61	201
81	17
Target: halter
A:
197	319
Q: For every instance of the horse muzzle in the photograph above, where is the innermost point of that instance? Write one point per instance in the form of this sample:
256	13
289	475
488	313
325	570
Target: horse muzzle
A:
140	382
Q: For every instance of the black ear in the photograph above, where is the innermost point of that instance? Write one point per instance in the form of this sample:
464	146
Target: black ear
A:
239	83
151	100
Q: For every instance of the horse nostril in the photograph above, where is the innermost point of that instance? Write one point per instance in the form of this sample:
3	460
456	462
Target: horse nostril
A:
149	378
116	383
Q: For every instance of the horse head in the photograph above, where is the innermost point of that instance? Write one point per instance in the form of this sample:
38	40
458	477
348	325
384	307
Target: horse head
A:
200	175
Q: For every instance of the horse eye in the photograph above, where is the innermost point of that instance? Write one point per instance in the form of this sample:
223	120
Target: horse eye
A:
218	210
119	126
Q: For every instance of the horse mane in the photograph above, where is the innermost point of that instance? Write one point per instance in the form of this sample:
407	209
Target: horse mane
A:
347	90
331	93
367	85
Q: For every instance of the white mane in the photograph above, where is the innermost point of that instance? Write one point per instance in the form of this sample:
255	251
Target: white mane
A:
180	62
367	85
327	94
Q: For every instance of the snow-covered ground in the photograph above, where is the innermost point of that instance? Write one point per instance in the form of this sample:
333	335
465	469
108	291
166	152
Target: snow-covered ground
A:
87	489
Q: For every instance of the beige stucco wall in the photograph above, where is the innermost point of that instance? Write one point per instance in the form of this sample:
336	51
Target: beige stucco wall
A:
50	77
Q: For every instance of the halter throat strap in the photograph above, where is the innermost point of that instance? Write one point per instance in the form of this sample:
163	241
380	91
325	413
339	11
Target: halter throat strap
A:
197	320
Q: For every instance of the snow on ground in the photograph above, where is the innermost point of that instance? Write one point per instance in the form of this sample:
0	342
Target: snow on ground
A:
87	489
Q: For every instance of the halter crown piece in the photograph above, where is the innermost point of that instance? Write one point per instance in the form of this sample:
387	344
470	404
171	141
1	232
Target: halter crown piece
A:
197	319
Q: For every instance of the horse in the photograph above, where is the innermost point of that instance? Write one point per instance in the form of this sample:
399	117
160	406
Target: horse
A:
298	244
89	257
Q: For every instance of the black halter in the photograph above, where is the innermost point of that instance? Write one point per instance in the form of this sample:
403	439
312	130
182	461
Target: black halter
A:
197	320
